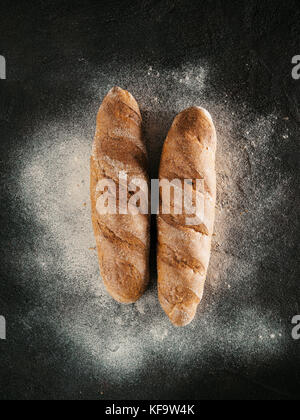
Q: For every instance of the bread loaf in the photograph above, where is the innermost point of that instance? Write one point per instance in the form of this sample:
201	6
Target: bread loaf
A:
184	249
122	239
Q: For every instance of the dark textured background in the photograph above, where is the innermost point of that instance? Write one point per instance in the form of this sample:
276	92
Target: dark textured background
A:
42	41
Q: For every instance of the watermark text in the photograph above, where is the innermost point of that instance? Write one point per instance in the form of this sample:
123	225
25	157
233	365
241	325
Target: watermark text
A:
296	68
2	67
2	328
296	329
169	197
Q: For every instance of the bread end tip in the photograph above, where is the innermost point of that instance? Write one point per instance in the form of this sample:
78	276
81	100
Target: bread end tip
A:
180	317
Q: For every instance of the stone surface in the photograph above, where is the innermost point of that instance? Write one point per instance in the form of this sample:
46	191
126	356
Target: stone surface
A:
66	338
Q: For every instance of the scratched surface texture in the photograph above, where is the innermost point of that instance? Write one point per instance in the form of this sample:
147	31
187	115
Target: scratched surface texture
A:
66	338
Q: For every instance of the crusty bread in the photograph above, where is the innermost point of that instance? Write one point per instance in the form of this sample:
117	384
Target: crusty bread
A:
184	250
122	239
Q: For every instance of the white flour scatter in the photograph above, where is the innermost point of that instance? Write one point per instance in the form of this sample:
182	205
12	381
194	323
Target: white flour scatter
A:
54	189
55	186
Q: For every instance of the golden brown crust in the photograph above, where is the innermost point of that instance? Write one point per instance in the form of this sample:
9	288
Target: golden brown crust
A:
184	251
122	240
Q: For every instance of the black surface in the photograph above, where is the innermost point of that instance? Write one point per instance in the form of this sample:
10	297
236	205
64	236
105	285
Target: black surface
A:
42	41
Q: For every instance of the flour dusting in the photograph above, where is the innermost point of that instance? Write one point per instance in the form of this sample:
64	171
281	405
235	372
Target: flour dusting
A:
54	189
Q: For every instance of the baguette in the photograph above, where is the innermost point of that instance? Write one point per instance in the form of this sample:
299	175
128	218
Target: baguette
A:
123	240
184	250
